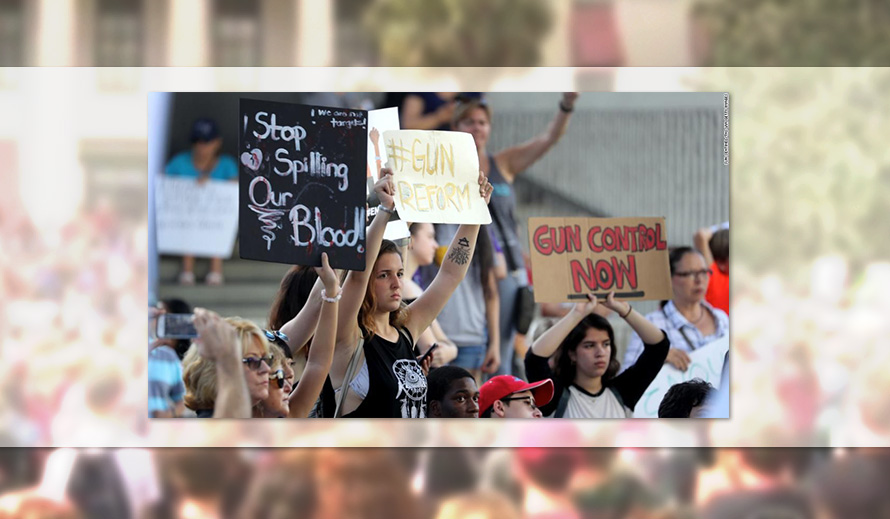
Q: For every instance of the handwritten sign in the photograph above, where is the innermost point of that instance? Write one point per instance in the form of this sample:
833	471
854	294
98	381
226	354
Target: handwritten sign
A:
199	220
302	183
436	176
705	363
572	257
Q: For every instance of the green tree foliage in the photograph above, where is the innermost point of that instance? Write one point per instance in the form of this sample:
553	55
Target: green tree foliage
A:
810	170
796	33
467	33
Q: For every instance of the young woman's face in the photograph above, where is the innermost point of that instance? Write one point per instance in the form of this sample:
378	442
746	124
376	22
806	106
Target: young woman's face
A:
387	282
257	379
593	354
276	403
424	244
690	278
476	123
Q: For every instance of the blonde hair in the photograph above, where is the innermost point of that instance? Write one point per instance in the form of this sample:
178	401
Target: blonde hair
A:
199	373
463	109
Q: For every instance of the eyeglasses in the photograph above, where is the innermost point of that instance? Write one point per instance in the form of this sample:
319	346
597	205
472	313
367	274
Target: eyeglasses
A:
696	273
279	377
254	363
530	401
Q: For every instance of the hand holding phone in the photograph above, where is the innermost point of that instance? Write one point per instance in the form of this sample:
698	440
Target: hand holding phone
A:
429	353
176	326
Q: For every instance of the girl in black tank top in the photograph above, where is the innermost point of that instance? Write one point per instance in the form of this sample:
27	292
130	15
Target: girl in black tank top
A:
372	308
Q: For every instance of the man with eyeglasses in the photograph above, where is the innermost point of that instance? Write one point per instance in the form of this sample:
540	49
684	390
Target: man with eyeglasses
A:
506	396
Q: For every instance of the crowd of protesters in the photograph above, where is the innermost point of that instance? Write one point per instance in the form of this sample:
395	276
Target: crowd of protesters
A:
430	330
371	483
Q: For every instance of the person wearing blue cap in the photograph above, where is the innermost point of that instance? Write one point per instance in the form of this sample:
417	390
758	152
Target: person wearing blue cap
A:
203	162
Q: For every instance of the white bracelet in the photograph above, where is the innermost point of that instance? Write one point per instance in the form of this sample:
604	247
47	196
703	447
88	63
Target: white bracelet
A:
325	298
385	209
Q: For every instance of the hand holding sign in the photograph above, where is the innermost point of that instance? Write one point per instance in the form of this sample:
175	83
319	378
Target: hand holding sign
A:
485	187
616	305
586	308
384	188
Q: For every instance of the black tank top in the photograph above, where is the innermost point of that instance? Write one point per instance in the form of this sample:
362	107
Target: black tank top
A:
397	386
503	207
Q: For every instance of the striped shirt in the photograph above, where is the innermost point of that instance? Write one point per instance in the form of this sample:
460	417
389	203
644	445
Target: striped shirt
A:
165	386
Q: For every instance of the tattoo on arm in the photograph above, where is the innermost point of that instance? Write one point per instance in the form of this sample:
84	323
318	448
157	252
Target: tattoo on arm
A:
461	253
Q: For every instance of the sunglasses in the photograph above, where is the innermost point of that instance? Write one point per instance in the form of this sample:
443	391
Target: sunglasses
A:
279	377
280	339
254	363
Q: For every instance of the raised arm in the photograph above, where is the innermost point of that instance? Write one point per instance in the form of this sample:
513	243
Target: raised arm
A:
321	353
453	270
550	340
302	326
356	282
413	118
493	318
218	342
648	332
700	239
517	159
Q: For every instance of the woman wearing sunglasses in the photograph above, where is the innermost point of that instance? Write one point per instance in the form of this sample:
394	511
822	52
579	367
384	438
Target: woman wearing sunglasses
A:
226	370
689	321
276	404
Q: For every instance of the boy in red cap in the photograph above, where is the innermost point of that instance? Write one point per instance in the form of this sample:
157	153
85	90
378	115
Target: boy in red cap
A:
506	396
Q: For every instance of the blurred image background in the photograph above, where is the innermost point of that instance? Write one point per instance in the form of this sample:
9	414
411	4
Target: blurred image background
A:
808	186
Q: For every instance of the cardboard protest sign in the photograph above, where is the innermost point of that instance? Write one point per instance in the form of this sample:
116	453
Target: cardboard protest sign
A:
572	257
302	183
198	220
436	176
705	363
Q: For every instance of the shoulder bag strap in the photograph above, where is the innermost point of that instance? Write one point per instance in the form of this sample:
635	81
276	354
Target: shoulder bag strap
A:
350	372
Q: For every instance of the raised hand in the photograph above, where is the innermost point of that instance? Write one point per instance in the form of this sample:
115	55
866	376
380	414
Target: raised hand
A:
485	187
569	98
375	135
216	337
328	277
620	307
586	308
385	189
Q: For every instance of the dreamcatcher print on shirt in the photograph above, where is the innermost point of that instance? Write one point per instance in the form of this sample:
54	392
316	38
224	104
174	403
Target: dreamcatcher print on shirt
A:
412	388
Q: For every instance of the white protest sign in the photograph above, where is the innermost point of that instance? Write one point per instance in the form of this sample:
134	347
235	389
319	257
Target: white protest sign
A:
436	176
379	121
705	363
199	220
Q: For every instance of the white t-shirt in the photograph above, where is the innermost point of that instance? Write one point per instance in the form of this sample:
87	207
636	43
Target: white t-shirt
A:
585	405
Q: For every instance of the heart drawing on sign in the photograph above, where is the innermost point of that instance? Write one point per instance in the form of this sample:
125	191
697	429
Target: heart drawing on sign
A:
253	159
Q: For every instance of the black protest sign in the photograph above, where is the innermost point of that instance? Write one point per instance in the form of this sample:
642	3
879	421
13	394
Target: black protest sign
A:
302	184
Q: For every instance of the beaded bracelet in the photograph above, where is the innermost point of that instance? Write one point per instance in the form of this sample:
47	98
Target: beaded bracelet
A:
325	298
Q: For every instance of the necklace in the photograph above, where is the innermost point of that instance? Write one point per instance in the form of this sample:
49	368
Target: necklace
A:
701	315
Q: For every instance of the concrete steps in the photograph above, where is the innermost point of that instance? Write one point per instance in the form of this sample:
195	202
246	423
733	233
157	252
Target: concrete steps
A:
249	288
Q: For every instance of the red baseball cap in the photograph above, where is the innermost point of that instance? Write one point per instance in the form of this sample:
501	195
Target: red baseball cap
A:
503	386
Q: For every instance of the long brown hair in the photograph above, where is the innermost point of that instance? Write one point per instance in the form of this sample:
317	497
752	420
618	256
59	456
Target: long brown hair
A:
397	318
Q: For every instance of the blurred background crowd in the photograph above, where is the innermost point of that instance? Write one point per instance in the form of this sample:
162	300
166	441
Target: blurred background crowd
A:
529	482
808	192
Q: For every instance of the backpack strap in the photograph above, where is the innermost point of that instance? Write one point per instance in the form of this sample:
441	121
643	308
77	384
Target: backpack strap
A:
563	403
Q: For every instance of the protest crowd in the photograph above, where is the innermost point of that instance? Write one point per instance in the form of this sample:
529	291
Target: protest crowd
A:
441	323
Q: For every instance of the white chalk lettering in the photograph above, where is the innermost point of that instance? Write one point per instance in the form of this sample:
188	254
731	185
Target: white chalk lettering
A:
300	217
294	133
